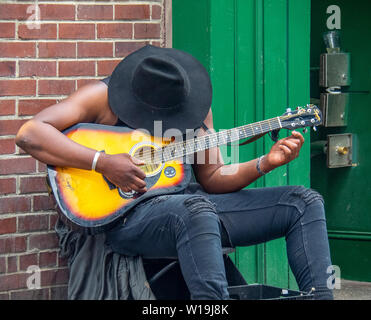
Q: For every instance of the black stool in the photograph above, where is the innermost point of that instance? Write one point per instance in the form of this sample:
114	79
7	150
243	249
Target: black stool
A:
166	280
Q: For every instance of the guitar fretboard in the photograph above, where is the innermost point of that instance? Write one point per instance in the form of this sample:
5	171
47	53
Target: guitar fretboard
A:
191	146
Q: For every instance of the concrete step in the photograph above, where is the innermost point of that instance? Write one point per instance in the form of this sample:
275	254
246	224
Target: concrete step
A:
353	290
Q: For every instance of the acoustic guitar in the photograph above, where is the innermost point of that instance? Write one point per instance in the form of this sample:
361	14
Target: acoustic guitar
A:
91	201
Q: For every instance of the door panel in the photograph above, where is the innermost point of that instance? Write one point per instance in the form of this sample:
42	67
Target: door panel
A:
347	191
257	53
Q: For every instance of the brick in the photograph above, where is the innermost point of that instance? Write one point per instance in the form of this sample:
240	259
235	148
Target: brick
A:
95	12
7	107
41	167
12	264
54	277
7	29
122	49
46	31
37	68
7	68
114	30
56	87
38	222
57	12
156	12
14	11
62	262
13	281
7	185
48	259
76	31
106	67
7	146
29	107
43	241
13	245
147	30
132	12
15	204
82	82
8	225
156	43
43	203
18	49
27	260
17	165
30	294
17	87
94	49
57	50
76	68
59	293
52	220
33	184
2	265
10	127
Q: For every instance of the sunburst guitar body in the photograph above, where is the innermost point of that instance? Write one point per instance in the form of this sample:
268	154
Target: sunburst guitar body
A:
90	200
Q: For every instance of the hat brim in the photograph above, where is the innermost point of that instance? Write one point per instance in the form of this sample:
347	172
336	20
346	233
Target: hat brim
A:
137	114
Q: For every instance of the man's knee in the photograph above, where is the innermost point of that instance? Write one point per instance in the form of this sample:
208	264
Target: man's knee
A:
196	204
199	215
306	200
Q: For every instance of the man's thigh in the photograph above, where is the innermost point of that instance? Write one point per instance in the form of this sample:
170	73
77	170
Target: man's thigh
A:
257	215
151	227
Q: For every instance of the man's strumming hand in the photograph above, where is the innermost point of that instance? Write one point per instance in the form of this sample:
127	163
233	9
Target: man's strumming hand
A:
123	171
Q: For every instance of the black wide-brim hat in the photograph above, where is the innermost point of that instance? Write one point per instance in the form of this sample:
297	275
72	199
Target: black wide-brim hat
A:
160	84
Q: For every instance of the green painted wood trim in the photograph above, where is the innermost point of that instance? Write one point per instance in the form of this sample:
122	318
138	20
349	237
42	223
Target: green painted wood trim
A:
356	235
275	103
298	51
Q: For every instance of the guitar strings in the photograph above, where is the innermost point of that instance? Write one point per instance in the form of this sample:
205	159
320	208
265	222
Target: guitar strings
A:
183	144
265	126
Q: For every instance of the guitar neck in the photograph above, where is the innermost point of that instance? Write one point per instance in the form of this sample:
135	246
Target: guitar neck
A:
191	146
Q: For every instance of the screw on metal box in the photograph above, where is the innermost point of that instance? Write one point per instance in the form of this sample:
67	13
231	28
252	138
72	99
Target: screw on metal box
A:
340	150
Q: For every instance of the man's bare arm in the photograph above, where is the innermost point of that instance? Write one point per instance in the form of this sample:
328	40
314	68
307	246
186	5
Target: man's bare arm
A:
41	137
216	177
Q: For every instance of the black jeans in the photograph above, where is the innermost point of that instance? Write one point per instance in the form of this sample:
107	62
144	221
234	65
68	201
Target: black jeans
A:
195	225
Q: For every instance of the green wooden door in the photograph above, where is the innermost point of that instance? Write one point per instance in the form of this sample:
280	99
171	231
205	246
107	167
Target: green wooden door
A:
257	53
347	191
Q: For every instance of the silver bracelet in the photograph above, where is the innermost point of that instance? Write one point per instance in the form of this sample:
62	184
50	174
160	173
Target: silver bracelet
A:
95	160
260	171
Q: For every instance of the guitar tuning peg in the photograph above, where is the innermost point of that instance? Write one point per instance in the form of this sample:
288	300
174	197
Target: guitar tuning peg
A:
314	128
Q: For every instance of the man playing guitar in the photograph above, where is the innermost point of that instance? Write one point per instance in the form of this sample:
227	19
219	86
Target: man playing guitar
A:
195	223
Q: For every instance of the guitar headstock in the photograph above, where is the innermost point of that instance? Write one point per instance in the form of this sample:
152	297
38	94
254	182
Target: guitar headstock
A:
309	116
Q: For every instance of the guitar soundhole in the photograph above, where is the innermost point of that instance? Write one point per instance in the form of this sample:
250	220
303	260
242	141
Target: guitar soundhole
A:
148	155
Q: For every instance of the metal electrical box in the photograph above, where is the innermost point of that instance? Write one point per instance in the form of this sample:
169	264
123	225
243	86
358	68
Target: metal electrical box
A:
335	69
339	150
334	109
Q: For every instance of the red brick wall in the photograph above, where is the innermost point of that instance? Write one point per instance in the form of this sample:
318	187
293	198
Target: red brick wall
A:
77	41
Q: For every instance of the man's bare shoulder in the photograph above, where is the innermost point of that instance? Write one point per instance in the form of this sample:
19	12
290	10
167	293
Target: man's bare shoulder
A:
88	104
